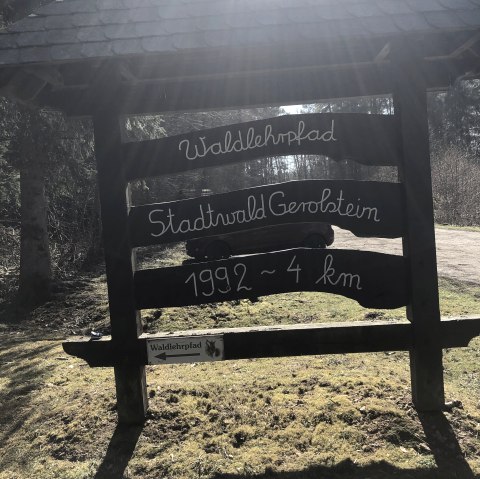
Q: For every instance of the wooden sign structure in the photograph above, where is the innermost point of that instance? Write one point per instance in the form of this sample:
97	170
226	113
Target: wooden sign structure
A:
375	280
366	208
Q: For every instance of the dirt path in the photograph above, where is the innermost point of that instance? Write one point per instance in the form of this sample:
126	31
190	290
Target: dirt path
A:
458	252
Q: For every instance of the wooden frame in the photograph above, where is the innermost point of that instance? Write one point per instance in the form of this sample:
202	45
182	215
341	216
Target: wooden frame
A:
120	264
423	310
404	209
280	341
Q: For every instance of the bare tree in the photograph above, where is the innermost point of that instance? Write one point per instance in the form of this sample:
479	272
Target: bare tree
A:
455	177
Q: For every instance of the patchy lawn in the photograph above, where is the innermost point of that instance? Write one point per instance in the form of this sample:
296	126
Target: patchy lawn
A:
339	416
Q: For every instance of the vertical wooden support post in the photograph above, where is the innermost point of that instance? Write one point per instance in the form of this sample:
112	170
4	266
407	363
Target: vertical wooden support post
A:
125	319
410	103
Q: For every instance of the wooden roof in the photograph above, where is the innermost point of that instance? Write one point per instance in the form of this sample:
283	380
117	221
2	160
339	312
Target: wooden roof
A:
69	53
72	30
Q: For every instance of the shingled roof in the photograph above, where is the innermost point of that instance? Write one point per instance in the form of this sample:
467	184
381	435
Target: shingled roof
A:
150	40
71	30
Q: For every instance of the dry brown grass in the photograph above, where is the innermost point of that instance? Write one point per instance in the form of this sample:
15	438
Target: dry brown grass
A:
342	416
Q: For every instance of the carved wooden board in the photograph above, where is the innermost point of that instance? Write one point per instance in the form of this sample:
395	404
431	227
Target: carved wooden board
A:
366	208
375	280
366	139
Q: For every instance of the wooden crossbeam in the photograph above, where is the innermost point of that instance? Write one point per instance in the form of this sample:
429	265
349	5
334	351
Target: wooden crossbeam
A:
277	341
265	88
382	55
50	75
465	46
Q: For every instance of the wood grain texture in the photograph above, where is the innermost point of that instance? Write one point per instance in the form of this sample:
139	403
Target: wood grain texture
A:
284	340
366	208
410	103
373	279
366	139
119	261
285	86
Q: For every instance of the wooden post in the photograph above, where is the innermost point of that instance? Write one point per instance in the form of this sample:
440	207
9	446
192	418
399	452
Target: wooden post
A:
410	103
130	381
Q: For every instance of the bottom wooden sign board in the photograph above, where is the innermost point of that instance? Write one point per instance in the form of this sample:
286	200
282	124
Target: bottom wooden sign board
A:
375	280
178	350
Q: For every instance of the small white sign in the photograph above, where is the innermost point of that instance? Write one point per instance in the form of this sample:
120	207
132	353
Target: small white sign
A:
188	349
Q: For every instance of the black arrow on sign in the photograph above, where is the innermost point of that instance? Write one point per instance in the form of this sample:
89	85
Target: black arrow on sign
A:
164	356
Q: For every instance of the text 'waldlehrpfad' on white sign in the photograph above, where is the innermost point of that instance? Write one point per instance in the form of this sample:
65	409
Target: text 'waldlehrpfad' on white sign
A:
191	349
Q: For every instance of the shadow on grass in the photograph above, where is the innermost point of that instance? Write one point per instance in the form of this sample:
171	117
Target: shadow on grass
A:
440	438
16	321
23	371
348	470
12	313
444	446
119	452
439	434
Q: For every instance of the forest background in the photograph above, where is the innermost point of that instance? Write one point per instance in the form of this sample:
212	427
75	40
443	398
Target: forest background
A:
49	210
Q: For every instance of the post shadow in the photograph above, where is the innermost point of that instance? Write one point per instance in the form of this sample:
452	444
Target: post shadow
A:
444	446
119	452
440	438
346	469
21	368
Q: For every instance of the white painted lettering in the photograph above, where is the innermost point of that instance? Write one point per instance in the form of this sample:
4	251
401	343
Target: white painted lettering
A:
252	140
332	278
258	207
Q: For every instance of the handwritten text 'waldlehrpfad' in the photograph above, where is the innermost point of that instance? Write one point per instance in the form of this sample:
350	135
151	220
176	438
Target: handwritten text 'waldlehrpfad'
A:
252	139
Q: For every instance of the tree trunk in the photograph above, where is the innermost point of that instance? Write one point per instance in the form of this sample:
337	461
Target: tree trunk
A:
95	252
35	263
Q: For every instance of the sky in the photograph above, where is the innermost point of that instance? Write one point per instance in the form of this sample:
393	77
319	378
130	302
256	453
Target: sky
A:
292	109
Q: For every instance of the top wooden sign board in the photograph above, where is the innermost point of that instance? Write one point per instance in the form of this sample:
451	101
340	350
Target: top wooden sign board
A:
366	139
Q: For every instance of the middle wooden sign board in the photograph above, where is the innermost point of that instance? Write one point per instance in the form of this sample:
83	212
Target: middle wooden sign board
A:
367	208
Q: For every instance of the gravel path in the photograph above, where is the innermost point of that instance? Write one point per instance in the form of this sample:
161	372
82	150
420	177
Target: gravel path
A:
458	251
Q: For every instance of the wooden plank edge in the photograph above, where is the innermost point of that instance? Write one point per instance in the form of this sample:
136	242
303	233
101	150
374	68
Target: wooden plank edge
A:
458	331
283	341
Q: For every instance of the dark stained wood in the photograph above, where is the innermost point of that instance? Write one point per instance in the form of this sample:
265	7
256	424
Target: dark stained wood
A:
366	208
281	87
410	103
457	332
373	279
125	319
277	341
366	139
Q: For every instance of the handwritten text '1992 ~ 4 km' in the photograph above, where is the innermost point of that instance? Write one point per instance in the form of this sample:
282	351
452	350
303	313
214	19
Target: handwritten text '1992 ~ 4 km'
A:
223	279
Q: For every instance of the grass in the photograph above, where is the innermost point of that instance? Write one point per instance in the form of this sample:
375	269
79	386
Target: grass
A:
457	227
296	308
312	417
